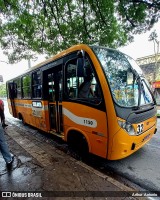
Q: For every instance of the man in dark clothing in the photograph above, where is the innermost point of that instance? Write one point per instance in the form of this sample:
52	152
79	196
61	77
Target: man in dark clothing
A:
2	114
8	157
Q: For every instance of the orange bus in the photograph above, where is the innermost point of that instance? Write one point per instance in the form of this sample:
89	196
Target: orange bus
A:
94	98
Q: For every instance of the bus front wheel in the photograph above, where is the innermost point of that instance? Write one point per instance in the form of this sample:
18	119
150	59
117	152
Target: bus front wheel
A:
78	143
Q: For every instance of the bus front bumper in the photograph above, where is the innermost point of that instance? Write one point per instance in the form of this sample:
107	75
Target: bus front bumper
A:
124	145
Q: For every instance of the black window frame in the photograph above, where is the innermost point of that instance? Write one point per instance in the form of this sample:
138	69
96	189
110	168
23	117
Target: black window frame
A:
37	85
17	88
87	101
26	87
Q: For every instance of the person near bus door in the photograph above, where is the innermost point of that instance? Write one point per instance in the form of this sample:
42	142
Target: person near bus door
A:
8	157
2	114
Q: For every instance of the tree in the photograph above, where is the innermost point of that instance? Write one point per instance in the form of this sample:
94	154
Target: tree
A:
154	37
3	90
49	26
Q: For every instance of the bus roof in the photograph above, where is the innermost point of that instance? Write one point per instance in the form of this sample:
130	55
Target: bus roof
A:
60	55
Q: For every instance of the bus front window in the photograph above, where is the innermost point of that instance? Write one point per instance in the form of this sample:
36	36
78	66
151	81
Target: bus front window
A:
124	77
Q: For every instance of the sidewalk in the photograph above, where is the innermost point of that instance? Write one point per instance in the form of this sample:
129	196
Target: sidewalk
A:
39	167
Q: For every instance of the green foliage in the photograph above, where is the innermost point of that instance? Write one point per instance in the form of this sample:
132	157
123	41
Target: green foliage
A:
49	26
3	92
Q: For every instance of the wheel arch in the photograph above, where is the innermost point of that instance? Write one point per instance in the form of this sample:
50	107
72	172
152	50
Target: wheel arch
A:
78	133
20	116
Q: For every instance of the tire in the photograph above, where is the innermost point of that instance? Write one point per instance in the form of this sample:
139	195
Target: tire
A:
78	143
21	118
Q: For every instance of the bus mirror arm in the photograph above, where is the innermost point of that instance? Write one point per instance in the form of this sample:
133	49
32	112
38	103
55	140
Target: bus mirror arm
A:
80	54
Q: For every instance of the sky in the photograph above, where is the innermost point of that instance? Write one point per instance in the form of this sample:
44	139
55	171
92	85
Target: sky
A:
141	47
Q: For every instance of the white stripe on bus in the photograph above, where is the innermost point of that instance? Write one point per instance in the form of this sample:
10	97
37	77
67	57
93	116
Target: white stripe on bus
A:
80	120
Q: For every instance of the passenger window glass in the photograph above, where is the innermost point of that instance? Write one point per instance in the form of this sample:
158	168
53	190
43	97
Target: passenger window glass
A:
17	88
72	80
51	87
37	84
60	81
81	82
26	86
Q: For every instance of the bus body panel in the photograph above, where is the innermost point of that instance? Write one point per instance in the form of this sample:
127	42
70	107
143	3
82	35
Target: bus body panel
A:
124	144
89	121
111	122
10	107
37	117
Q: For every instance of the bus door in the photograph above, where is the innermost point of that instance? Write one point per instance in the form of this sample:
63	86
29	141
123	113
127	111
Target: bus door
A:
54	85
11	95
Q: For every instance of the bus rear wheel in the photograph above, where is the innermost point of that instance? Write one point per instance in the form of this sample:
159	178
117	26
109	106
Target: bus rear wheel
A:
78	144
21	118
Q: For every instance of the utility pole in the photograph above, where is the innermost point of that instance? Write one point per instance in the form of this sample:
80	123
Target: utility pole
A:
1	78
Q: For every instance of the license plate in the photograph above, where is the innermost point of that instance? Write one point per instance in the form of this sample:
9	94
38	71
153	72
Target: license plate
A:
146	138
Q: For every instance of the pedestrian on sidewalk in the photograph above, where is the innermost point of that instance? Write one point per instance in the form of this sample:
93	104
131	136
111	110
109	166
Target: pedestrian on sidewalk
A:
2	114
8	157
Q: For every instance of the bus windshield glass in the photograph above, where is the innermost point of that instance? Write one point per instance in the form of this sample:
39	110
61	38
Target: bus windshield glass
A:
128	86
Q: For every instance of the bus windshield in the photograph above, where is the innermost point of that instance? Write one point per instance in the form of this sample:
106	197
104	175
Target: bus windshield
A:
128	86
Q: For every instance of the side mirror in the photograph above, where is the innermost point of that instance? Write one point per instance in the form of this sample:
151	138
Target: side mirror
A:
80	54
80	67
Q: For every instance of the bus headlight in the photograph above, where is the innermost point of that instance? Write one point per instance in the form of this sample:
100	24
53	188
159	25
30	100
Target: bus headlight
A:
127	127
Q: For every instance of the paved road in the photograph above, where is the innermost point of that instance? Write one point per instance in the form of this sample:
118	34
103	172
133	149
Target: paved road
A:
141	168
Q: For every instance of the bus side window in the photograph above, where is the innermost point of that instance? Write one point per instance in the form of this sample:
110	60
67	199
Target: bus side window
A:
17	86
26	86
71	79
90	90
82	83
36	84
51	87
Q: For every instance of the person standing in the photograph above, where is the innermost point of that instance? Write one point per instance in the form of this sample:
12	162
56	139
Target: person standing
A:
2	114
8	157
